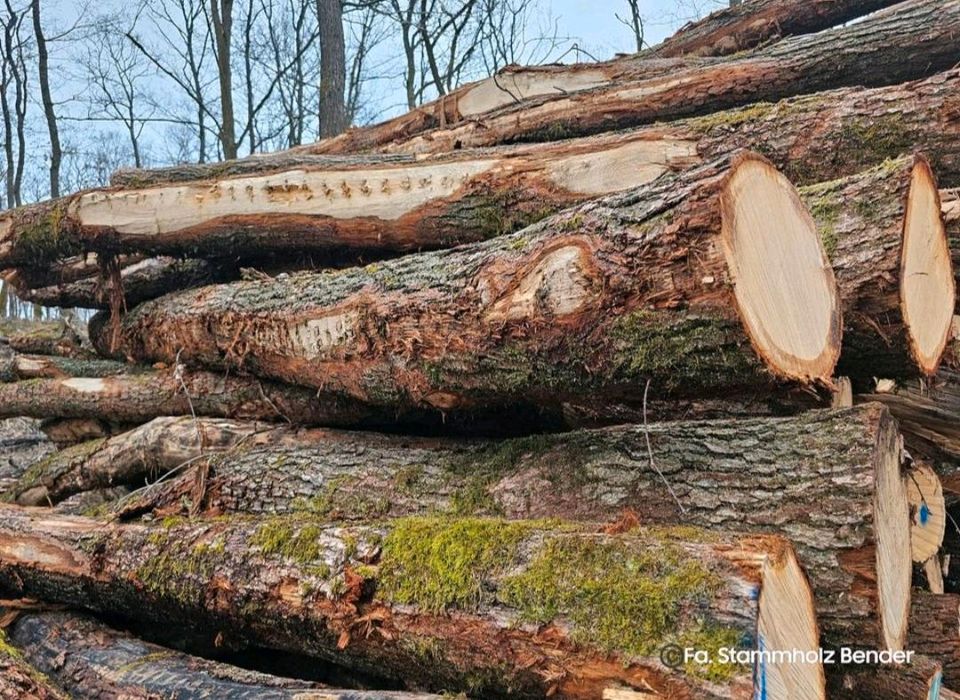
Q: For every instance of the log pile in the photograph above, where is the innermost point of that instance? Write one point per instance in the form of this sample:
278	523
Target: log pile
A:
624	380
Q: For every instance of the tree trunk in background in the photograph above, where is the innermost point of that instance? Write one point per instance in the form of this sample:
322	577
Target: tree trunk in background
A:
222	15
935	631
43	72
333	68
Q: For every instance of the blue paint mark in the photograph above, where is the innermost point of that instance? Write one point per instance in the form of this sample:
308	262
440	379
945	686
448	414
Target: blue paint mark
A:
924	513
935	686
760	674
755	593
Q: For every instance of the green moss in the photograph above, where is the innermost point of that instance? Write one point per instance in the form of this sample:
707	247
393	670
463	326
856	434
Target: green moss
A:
711	639
879	138
46	239
407	478
619	598
338	499
686	350
734	117
6	648
285	538
826	210
439	563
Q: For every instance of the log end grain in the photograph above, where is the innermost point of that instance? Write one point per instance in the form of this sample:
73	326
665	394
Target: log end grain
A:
927	291
783	283
927	512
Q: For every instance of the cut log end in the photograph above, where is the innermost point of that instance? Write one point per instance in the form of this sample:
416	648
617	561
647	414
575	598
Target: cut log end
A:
784	285
927	291
894	565
788	621
927	512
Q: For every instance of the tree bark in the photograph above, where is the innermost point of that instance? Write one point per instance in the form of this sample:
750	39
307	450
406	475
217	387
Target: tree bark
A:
367	599
89	659
148	451
587	305
935	631
15	367
741	27
918	680
143	280
712	470
221	13
137	397
904	42
21	444
54	338
890	253
333	69
929	416
18	679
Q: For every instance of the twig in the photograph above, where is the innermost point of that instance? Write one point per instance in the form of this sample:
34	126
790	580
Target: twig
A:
653	464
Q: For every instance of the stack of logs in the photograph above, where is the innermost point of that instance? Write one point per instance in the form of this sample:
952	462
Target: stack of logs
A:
514	395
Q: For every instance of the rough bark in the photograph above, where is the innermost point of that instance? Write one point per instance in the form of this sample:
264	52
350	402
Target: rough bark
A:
64	432
366	598
21	444
929	416
590	304
137	397
14	367
89	659
745	26
919	680
832	461
42	338
864	221
935	631
146	452
144	280
19	680
904	42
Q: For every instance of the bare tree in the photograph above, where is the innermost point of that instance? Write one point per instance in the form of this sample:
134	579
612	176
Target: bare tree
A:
116	73
43	73
15	71
184	45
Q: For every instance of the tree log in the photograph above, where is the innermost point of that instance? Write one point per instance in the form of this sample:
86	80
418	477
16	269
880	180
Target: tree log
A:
885	236
148	451
843	469
137	397
42	338
904	42
89	659
590	304
935	631
444	603
921	679
864	128
141	281
744	26
19	680
15	366
21	444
